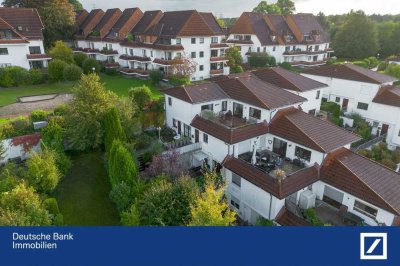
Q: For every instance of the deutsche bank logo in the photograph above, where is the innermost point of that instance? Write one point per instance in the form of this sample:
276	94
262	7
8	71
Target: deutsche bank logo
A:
373	246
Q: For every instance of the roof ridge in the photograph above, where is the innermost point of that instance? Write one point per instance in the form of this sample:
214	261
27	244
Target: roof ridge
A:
188	95
362	181
273	69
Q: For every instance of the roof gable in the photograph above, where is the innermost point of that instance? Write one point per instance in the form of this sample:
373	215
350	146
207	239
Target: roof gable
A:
197	93
26	21
148	19
388	95
107	21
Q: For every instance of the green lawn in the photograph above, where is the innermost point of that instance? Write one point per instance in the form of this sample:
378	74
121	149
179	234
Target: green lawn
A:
118	84
83	194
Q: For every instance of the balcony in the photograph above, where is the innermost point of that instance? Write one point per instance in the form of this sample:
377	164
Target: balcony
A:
308	63
243	42
226	119
38	57
107	64
135	72
141	59
302	52
86	50
167	62
218	45
271	163
108	52
216	71
218	59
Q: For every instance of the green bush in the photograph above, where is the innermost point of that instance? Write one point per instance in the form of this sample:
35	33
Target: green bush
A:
89	64
143	141
51	206
364	64
121	195
258	60
264	222
332	108
79	58
393	70
112	128
179	81
14	76
121	166
36	76
58	220
72	73
56	70
110	71
156	76
60	110
38	115
21	127
237	69
286	66
312	218
383	65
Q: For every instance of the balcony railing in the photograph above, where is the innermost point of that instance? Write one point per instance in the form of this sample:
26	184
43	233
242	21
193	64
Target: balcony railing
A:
135	71
217	71
308	63
167	62
218	59
108	52
107	64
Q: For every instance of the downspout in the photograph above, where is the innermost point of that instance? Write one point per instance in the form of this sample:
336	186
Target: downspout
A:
270	206
270	115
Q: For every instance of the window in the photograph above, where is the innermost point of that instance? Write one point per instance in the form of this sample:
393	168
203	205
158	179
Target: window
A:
174	122
193	54
201	54
312	112
274	48
34	50
201	67
151	53
3	51
258	49
144	52
235	203
201	40
186	130
365	209
178	55
316	47
178	41
207	107
287	48
247	37
169	101
337	99
193	40
303	153
205	138
131	52
362	106
214	39
214	53
225	106
255	113
318	95
237	180
265	49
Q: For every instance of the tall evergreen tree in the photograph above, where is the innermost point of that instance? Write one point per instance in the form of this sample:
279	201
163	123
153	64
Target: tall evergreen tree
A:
112	128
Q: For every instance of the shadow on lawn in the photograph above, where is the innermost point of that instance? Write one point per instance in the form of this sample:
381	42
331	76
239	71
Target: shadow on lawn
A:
83	194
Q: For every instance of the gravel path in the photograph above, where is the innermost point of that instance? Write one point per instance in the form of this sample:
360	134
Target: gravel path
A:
26	108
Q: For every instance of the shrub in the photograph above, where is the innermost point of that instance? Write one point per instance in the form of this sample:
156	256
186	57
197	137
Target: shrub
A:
51	206
5	78
56	70
121	166
121	195
312	218
112	128
58	220
178	80
143	141
383	65
286	66
110	71
36	76
61	51
237	69
60	110
393	70
38	115
258	60
156	76
364	64
131	217
72	73
332	108
264	222
20	127
89	64
79	58
141	96
14	76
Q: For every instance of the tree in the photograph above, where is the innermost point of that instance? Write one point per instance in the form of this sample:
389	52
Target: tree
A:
234	58
22	207
129	118
168	164
121	166
79	58
393	70
121	196
42	171
131	217
72	73
183	67
62	52
168	203
77	5
2	148
388	41
264	7
287	7
209	208
89	64
112	128
323	21
221	23
84	115
357	37
141	97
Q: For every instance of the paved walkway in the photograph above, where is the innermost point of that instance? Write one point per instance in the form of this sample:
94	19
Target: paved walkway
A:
17	109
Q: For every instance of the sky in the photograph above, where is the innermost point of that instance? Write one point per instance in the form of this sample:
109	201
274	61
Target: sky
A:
233	8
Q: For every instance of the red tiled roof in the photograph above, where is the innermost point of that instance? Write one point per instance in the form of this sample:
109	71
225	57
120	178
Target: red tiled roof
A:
197	93
127	21
388	95
26	21
287	80
81	16
287	218
90	22
230	135
297	126
251	90
363	178
279	189
148	19
107	21
350	72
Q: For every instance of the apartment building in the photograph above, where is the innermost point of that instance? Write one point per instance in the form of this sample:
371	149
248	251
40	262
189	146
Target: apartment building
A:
277	159
365	92
297	39
154	40
21	38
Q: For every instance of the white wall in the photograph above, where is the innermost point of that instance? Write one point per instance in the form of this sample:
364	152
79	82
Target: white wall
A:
12	151
17	53
383	216
312	102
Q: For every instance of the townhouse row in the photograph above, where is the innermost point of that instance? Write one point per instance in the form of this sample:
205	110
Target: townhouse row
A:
21	38
275	156
365	92
155	40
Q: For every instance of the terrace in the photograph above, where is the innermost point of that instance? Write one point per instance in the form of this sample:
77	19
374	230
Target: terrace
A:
271	163
226	119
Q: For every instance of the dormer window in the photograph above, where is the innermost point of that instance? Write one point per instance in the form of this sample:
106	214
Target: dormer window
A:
288	38
19	28
273	38
247	37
